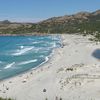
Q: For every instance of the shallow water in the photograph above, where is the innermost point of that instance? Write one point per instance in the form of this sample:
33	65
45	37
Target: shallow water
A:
22	53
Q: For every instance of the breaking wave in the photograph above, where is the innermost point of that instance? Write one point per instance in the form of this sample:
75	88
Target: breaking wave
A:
27	62
22	51
9	65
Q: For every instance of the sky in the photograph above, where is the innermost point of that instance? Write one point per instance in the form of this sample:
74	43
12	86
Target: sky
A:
36	10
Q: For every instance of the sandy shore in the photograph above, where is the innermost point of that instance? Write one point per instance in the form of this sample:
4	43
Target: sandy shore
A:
72	74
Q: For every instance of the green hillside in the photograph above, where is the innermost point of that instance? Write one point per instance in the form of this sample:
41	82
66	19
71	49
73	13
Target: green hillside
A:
82	23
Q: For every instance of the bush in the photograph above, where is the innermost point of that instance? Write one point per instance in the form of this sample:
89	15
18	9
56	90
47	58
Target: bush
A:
5	98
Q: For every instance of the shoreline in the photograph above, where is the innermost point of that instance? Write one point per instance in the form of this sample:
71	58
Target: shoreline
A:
69	71
32	69
30	34
26	34
37	67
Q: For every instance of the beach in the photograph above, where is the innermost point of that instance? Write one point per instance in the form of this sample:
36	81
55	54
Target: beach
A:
72	73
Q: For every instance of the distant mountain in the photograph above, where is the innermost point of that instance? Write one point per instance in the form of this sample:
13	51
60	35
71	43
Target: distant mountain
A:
7	27
96	13
5	22
82	23
79	17
66	18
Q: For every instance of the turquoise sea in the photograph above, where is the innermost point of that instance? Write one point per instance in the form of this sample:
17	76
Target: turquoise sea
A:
22	53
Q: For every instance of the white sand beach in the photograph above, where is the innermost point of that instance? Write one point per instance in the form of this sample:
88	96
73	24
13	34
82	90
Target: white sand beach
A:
71	74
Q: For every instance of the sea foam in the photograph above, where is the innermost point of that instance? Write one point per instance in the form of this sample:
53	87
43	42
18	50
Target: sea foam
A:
27	62
22	51
9	65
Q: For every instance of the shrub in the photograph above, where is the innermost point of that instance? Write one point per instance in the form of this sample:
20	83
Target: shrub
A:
5	98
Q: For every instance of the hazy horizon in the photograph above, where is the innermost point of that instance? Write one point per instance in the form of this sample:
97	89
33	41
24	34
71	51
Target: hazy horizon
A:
37	10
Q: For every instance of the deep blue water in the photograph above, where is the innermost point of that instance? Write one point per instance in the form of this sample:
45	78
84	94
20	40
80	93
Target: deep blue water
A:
22	53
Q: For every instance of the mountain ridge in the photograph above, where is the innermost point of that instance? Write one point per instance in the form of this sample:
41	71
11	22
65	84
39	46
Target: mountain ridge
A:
81	22
79	15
